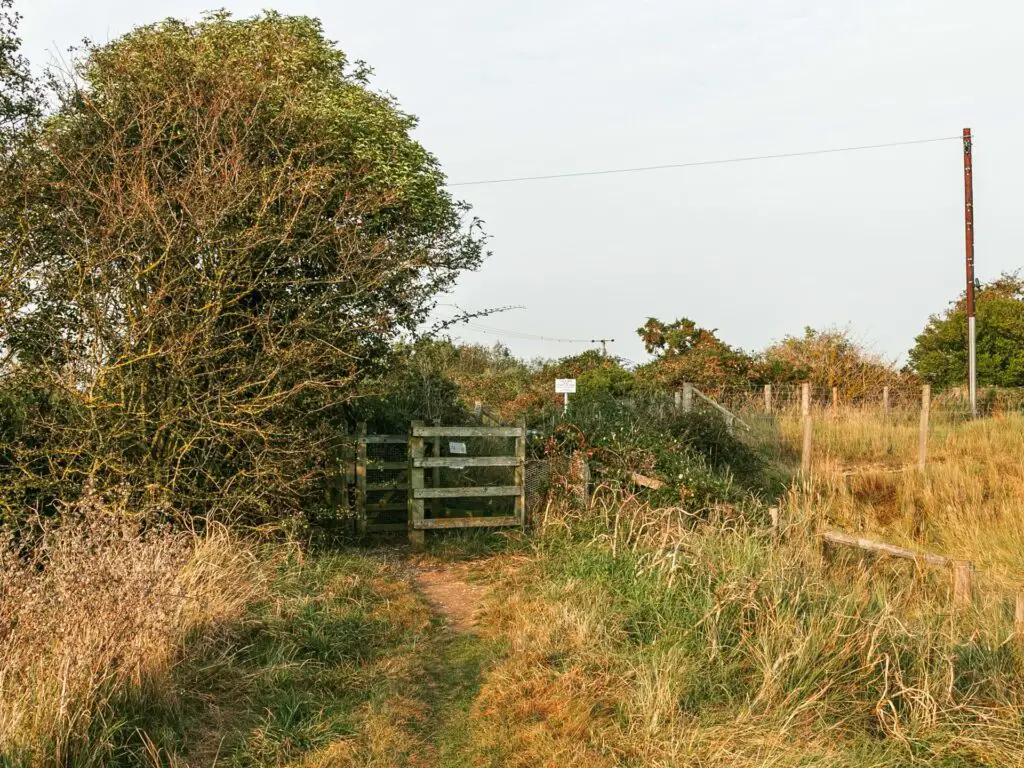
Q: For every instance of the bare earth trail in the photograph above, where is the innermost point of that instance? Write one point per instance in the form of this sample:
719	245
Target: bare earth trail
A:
457	663
449	593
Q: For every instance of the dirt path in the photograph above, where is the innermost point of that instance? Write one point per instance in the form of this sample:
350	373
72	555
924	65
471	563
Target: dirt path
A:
450	593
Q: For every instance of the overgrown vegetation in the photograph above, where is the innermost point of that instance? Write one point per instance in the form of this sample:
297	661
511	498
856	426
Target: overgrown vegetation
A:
228	232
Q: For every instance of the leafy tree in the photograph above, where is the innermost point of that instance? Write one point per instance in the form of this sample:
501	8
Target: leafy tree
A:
20	97
230	231
688	353
940	352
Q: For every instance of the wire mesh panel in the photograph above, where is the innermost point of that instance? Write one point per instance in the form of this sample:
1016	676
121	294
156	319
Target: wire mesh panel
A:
382	477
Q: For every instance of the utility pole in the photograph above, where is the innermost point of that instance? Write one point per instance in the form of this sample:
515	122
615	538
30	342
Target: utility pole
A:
604	345
972	363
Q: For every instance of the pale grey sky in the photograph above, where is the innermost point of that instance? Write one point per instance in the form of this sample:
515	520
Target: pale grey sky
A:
873	240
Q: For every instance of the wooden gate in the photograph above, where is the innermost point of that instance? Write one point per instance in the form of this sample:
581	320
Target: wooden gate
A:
418	493
381	503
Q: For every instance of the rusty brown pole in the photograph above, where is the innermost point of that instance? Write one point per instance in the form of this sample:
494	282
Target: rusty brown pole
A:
972	366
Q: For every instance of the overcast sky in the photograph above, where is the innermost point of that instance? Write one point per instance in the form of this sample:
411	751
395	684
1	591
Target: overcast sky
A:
872	240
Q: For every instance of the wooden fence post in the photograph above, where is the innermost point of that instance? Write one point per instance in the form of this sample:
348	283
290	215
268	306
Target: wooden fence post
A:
962	588
922	448
687	397
417	536
768	399
1018	617
679	401
520	471
361	479
835	402
805	454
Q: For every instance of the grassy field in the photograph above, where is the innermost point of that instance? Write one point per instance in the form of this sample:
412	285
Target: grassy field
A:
617	634
966	504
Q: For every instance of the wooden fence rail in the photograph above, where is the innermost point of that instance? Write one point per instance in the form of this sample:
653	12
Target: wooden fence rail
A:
963	571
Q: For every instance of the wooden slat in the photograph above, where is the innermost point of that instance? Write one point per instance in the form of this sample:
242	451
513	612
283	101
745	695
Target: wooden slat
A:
384	439
387	464
425	431
467	493
394	486
467	461
468	522
833	537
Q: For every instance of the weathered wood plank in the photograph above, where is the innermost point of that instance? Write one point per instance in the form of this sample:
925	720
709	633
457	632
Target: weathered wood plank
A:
472	492
646	482
384	439
468	461
389	486
469	522
371	464
869	545
427	431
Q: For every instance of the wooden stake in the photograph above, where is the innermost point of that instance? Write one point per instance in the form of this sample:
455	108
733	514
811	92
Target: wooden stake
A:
1018	617
885	400
805	399
962	589
768	398
922	448
835	402
687	397
773	513
805	454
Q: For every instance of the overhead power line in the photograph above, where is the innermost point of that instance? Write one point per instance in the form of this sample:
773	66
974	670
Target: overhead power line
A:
696	163
530	336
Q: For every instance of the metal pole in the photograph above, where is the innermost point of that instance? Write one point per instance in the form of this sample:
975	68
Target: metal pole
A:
972	366
565	403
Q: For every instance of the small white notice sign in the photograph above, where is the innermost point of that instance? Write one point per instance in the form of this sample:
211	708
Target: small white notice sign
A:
457	448
565	386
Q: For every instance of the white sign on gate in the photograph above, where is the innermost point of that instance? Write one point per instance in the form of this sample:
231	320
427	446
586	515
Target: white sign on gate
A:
565	386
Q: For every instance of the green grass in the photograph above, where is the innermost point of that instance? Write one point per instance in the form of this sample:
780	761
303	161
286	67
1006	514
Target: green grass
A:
340	638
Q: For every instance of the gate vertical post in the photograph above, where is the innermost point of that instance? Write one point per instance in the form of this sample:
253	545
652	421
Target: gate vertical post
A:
520	473
417	536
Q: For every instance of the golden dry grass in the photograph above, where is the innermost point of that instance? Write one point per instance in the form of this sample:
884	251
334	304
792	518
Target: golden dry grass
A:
95	608
966	504
641	636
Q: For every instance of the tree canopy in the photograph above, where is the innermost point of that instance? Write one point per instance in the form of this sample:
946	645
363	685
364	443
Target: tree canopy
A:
230	230
940	352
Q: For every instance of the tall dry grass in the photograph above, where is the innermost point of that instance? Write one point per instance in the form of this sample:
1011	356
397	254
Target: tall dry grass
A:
93	608
662	637
966	504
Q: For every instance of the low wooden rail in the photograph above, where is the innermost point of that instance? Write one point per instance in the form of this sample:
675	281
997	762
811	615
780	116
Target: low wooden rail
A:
419	523
963	571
